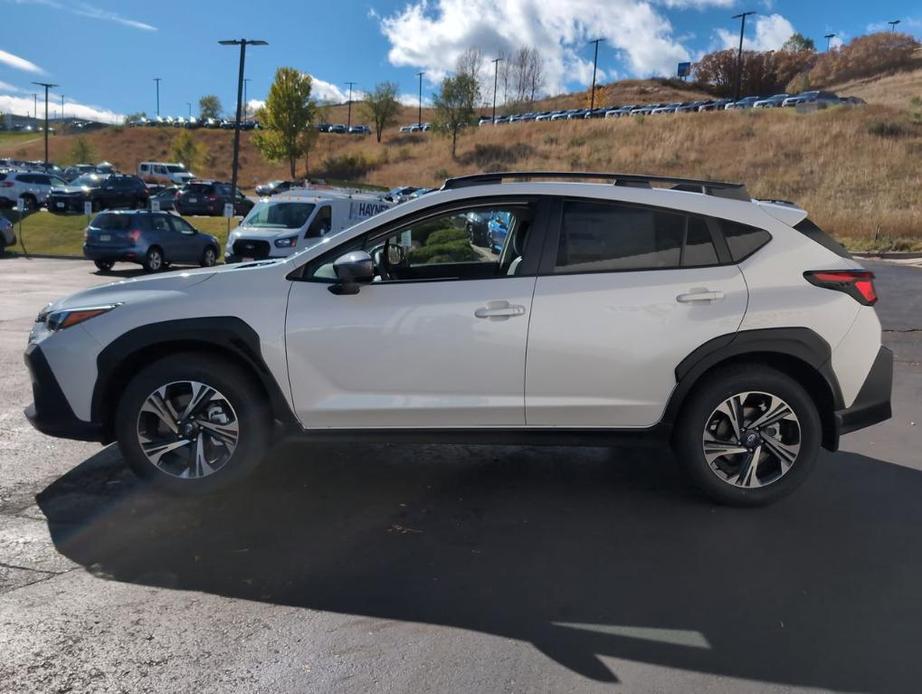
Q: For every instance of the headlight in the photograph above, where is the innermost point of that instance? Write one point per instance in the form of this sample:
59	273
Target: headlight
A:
65	318
286	242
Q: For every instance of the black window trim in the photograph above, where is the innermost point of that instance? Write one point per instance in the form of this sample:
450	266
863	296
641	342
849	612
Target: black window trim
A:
534	244
552	239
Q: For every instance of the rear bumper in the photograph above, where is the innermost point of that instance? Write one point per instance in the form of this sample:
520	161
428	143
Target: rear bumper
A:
50	412
872	405
130	253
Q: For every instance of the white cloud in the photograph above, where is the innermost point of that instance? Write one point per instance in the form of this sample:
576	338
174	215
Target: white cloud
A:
84	9
431	35
23	106
7	87
409	99
14	61
771	31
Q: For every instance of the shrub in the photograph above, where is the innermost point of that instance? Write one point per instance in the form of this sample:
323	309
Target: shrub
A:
550	140
446	235
346	167
888	129
442	173
450	252
487	156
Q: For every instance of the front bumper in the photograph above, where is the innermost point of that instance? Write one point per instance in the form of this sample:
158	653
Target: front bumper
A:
872	405
65	204
50	412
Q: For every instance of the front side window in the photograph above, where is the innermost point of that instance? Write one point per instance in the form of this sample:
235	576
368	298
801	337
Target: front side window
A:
323	222
605	237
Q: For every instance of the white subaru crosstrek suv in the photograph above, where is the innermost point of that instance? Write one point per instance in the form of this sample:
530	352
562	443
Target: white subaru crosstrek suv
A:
617	305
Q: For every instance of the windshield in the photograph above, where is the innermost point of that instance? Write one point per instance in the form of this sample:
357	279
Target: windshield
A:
279	215
175	168
89	180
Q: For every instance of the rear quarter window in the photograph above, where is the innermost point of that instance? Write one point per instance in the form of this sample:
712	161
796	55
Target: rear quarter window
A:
814	233
742	239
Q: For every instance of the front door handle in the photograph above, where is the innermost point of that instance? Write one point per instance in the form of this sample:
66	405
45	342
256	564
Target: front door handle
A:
696	295
499	310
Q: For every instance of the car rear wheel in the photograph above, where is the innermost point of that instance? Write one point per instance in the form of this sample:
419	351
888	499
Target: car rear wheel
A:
29	203
748	436
153	260
103	265
192	423
209	257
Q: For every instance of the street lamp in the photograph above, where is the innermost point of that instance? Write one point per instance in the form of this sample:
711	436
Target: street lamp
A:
893	24
246	101
739	55
496	62
243	43
349	105
829	38
47	86
419	117
157	82
189	105
595	62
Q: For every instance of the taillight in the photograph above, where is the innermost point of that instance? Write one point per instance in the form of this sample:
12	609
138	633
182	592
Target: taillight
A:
858	284
134	235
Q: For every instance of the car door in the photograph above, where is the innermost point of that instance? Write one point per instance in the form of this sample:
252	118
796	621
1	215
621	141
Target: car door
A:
437	341
624	294
187	242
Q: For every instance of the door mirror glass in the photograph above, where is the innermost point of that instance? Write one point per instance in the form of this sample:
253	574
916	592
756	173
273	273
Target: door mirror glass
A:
352	269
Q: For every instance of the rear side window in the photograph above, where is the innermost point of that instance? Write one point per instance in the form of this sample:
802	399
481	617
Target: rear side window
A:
602	237
814	233
743	240
112	222
699	246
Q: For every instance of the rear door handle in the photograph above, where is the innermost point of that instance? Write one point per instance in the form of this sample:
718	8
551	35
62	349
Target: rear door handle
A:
500	310
696	295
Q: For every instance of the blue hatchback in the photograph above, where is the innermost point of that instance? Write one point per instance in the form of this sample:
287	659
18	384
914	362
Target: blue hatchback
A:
154	240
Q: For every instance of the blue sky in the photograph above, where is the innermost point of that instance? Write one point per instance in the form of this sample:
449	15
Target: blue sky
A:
105	54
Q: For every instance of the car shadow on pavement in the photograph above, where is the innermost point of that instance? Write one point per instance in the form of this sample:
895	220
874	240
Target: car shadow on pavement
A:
581	552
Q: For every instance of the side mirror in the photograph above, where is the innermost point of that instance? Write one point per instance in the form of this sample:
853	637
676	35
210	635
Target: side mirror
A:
352	269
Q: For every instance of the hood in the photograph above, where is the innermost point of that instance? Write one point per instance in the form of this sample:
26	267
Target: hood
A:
135	288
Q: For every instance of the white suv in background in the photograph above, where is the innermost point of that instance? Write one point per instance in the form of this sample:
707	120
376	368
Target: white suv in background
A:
732	327
32	186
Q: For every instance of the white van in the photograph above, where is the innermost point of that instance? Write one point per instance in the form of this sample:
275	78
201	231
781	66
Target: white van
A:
165	173
286	223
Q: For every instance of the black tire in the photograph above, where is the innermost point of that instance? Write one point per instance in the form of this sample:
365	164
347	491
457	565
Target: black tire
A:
103	265
96	205
209	257
251	412
153	260
696	415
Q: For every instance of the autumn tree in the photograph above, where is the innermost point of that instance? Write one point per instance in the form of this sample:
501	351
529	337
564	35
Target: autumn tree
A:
381	107
454	105
288	112
209	106
798	42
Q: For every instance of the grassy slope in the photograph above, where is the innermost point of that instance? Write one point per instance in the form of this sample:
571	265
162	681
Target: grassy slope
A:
854	183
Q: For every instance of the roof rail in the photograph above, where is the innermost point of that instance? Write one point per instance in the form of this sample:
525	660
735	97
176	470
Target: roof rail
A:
733	191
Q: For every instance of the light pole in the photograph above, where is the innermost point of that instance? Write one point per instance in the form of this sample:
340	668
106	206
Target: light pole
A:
595	62
739	55
34	106
47	86
246	102
829	38
349	105
893	24
419	117
62	110
243	43
496	62
189	106
157	82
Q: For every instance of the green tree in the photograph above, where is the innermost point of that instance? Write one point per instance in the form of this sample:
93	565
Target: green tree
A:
82	152
288	112
186	150
798	42
454	106
381	107
209	106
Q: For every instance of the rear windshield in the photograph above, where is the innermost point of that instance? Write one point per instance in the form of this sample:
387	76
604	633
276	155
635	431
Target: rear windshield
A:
279	215
199	187
814	233
113	222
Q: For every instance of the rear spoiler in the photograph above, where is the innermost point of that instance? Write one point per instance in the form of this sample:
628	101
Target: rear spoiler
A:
783	210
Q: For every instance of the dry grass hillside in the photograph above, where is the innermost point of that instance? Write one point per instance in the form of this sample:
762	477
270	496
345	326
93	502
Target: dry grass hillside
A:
857	170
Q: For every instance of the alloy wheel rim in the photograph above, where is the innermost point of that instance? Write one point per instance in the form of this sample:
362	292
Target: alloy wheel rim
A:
187	429
155	260
751	440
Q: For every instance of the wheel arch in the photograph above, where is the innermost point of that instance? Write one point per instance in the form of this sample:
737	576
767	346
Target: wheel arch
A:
228	337
797	352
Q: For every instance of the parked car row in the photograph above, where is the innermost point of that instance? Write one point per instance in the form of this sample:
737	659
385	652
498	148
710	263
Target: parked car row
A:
192	122
341	129
821	99
417	128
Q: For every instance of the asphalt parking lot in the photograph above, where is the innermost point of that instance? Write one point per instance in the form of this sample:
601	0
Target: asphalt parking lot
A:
454	568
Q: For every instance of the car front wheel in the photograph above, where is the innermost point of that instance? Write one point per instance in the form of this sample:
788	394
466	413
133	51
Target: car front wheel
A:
209	257
153	260
748	436
193	423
